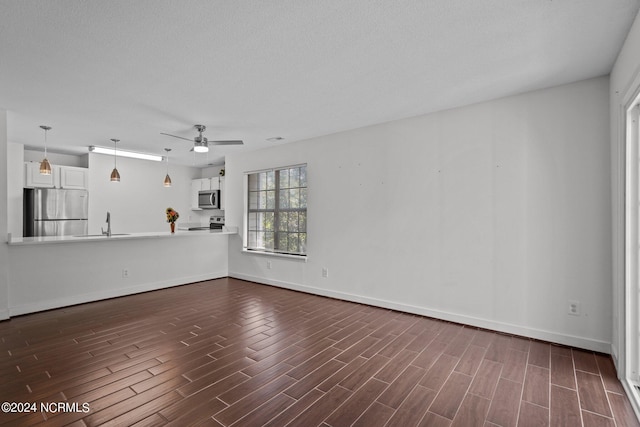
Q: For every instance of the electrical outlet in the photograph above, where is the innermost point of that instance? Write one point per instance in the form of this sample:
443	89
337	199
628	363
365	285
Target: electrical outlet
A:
269	265
125	273
325	272
574	307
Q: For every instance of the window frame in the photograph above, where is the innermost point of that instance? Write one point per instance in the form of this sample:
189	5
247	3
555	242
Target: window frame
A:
277	211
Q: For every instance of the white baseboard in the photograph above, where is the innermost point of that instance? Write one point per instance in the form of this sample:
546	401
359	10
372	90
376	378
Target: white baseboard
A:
550	336
634	396
106	294
614	356
4	314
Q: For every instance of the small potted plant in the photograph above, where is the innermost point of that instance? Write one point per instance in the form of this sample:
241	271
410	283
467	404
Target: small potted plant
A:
172	217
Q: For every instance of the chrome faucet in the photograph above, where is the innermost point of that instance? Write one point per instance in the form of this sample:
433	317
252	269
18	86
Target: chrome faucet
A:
108	232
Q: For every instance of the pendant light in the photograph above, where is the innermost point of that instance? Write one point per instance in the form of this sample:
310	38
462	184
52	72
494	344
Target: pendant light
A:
167	179
45	166
115	175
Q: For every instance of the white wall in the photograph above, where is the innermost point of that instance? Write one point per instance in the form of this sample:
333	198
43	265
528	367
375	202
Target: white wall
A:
211	171
625	78
15	184
57	159
492	215
4	213
138	202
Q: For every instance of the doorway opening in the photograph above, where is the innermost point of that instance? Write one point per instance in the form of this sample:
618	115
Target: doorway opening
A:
631	361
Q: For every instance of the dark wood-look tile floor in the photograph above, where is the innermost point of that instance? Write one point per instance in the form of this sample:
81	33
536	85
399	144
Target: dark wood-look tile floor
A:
233	353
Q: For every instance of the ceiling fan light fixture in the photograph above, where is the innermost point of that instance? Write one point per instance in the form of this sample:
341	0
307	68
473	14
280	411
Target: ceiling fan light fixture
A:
200	143
200	147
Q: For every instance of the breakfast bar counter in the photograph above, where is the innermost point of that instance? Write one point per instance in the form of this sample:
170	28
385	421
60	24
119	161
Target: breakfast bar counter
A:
116	236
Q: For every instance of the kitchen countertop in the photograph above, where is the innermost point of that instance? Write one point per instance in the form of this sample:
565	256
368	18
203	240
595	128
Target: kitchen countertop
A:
116	236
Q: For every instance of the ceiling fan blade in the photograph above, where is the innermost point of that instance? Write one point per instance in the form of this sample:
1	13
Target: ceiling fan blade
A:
175	136
230	142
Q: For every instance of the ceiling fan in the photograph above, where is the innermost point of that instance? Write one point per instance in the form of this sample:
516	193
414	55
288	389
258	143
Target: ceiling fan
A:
201	143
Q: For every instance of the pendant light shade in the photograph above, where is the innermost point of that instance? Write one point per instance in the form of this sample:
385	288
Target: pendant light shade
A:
115	175
45	166
167	178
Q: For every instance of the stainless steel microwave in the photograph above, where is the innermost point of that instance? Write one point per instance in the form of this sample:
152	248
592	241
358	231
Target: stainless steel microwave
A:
209	199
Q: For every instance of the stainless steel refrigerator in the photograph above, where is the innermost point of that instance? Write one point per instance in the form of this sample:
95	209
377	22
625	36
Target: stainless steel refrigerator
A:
55	212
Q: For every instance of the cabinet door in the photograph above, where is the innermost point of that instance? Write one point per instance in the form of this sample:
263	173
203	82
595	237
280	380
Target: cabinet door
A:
205	184
223	194
214	184
196	185
33	178
73	178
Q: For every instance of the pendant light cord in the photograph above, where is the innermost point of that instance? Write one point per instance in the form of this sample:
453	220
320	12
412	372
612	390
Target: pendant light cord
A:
115	153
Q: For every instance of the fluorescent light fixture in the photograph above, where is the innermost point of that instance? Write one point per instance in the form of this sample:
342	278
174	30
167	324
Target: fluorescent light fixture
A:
124	153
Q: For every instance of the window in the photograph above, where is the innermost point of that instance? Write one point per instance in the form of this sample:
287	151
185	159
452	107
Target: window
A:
277	211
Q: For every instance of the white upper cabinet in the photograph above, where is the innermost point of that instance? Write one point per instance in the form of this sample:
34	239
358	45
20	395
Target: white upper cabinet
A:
196	185
73	178
205	184
33	178
215	183
61	177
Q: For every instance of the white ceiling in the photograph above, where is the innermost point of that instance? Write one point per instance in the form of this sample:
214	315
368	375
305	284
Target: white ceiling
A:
251	70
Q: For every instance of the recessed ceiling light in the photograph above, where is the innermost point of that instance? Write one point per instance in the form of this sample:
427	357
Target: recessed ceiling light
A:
275	139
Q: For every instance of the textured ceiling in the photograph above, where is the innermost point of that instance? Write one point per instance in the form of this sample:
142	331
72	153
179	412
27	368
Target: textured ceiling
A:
251	70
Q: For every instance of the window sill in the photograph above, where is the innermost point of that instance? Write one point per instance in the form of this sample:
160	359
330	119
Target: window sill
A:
302	258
